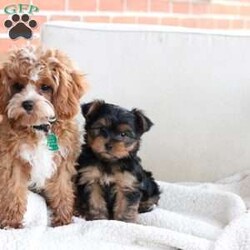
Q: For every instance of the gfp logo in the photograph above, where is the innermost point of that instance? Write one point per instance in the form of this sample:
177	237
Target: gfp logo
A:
20	24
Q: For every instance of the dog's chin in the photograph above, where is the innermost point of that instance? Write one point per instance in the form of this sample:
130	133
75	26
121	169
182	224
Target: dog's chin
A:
110	157
25	119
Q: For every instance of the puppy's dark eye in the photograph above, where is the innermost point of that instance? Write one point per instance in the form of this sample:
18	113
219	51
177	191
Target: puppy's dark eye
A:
45	88
104	132
127	133
17	87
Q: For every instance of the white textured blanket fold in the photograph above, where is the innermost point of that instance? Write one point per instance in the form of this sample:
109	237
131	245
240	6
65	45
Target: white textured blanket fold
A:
197	216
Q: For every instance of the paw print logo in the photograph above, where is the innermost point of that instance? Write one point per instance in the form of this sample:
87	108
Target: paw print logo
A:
20	26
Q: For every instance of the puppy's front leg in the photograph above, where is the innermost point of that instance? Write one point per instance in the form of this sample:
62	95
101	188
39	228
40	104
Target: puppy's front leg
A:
60	196
126	205
13	194
90	202
97	207
127	198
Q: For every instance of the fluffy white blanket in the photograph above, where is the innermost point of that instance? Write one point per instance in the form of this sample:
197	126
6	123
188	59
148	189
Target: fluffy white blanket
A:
191	216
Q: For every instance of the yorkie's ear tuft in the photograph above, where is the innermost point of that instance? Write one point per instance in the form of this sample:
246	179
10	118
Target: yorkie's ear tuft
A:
143	123
91	108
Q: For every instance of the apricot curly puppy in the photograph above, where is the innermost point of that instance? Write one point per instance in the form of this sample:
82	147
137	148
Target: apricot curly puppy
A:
39	138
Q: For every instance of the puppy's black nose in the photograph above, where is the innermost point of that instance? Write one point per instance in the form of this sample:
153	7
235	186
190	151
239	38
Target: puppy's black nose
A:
108	146
28	105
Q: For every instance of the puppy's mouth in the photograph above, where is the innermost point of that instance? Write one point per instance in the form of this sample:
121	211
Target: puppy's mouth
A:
45	127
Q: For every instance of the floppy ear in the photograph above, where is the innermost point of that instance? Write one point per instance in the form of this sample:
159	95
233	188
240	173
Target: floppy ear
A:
143	123
70	86
91	108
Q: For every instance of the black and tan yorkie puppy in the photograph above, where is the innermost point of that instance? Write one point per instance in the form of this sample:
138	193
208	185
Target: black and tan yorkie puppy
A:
111	183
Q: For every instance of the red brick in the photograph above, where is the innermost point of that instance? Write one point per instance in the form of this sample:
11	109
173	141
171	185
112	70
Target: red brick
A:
189	22
97	19
84	5
221	9
236	24
160	5
137	5
148	20
49	4
123	19
222	24
111	5
171	21
247	25
245	10
205	23
65	18
180	7
199	8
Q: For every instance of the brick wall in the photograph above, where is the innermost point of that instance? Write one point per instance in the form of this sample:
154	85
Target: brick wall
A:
208	14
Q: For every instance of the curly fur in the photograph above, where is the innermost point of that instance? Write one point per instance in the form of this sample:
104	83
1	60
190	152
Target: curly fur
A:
49	79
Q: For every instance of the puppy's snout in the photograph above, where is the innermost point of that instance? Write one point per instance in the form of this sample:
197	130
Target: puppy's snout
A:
28	105
108	146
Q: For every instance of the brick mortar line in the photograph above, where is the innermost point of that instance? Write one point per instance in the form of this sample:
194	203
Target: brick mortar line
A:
148	5
186	17
66	5
231	3
245	24
125	5
119	13
224	3
98	5
159	21
189	7
140	14
170	7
